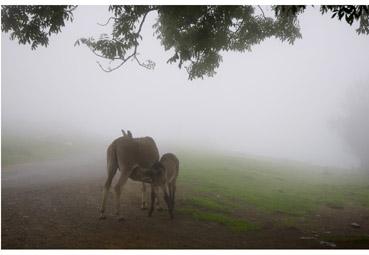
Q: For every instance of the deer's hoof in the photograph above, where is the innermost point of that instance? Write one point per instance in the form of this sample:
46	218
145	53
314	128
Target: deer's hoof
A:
102	217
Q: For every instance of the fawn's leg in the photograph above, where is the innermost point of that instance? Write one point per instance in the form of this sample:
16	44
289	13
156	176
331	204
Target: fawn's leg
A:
158	204
144	197
152	202
173	196
167	200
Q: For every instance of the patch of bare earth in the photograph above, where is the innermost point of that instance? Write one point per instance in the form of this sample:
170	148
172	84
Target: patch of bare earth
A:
335	225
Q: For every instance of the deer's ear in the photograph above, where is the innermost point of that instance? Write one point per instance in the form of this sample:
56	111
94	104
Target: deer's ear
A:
124	133
129	134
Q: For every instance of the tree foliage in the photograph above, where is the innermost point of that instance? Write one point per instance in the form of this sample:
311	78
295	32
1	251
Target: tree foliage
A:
197	35
34	24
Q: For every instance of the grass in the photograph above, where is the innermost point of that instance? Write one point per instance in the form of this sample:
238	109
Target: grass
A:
217	185
238	225
17	149
208	203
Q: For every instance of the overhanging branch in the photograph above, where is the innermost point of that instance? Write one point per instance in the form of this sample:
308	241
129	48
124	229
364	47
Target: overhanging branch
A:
133	55
262	11
115	68
107	22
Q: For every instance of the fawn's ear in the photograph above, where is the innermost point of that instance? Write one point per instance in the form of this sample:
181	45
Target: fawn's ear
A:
157	165
124	133
129	134
158	168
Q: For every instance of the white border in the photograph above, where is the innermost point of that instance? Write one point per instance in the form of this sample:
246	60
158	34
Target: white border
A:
183	2
183	252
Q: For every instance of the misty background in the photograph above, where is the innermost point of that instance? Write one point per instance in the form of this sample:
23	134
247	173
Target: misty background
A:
278	101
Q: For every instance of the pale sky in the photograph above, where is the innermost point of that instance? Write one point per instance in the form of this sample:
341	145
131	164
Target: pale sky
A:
278	100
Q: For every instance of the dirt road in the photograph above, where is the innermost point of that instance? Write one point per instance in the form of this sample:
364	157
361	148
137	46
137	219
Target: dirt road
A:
55	205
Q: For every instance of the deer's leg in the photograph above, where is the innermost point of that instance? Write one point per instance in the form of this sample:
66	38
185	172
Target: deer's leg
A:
158	205
118	189
170	191
112	169
152	202
173	196
144	197
167	200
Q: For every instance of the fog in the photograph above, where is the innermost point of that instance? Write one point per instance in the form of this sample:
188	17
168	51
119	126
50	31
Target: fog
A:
277	101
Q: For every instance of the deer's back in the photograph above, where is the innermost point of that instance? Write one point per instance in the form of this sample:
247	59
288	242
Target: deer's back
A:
130	151
171	164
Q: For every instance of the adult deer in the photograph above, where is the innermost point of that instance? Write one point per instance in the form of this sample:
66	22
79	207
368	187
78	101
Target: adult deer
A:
124	153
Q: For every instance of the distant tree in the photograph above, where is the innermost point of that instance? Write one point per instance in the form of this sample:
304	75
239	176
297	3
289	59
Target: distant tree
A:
196	34
354	125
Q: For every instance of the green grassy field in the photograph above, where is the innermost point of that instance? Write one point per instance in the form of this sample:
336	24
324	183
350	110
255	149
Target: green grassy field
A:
16	149
219	187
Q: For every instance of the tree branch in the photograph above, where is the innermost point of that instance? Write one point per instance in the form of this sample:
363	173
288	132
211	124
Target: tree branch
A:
262	12
143	20
134	54
239	26
101	56
142	64
115	68
107	22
